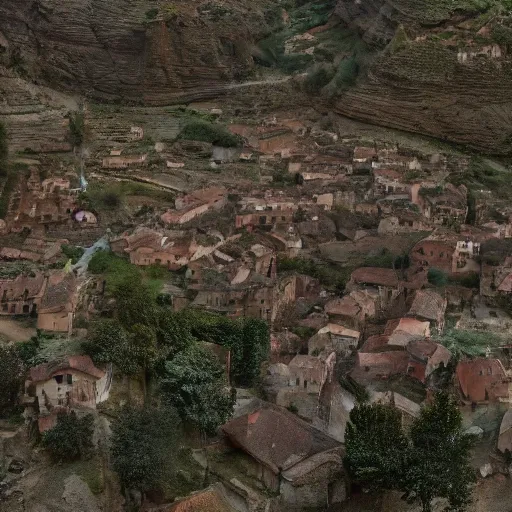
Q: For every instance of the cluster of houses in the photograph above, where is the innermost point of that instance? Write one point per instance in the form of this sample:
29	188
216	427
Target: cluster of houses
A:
381	335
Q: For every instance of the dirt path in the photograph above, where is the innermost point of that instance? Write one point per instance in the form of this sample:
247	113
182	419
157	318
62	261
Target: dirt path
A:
11	330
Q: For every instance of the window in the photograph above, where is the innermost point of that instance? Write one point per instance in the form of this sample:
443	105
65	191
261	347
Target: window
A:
4	308
297	381
283	218
305	384
58	379
26	309
493	314
262	301
69	379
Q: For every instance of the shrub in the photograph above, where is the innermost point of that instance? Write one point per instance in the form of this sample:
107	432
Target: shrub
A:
318	78
3	150
71	438
151	14
437	277
76	128
72	252
11	378
204	131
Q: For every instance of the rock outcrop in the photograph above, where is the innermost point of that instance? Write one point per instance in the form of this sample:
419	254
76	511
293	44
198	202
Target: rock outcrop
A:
130	50
436	73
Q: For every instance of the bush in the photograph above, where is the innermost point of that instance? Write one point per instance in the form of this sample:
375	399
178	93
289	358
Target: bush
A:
72	252
71	438
437	277
151	14
204	131
76	128
318	78
11	378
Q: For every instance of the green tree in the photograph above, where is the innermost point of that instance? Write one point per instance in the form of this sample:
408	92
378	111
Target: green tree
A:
11	378
144	443
437	277
439	465
376	446
194	384
174	333
71	438
109	342
135	303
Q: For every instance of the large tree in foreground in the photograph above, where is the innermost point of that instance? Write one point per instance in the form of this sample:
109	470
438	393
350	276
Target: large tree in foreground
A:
194	384
431	462
439	457
376	446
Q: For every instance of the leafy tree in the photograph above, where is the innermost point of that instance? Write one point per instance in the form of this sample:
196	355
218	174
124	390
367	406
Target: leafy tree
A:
437	277
71	438
11	378
143	446
194	384
109	342
76	128
135	303
376	446
174	333
440	457
205	131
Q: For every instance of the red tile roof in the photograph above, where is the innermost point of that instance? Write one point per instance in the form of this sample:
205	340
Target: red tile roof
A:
428	304
482	379
208	500
82	364
277	438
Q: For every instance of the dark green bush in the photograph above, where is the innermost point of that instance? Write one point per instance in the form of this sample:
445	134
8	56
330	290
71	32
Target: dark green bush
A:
204	131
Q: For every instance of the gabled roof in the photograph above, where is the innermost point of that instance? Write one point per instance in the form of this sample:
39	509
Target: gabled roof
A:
84	364
209	500
427	304
277	438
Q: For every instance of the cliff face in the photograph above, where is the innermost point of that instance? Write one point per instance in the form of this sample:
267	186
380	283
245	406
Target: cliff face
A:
129	50
444	74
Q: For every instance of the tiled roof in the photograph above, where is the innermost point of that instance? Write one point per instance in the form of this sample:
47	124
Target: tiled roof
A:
482	379
428	304
277	438
208	500
82	364
375	275
59	292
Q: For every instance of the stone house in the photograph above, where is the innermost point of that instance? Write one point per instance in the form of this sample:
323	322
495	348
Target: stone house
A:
383	281
428	306
354	309
483	380
265	218
310	373
335	337
446	206
466	257
403	222
388	182
149	247
72	382
377	360
401	331
298	464
433	252
426	356
58	303
22	295
364	154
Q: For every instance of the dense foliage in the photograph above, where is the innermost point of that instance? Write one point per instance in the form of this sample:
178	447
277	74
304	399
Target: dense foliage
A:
439	464
431	462
437	277
194	384
11	378
205	131
71	438
468	343
143	446
376	446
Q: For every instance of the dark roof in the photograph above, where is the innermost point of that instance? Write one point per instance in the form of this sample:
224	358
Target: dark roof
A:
277	438
428	304
84	364
375	275
59	292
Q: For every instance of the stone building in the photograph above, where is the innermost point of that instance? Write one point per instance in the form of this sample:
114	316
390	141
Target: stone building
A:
297	464
22	295
72	382
429	306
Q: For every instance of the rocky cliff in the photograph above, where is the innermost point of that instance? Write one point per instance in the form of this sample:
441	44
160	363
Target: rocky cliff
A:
441	69
130	50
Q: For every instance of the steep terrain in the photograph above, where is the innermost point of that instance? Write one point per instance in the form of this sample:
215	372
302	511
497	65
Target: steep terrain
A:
441	69
135	50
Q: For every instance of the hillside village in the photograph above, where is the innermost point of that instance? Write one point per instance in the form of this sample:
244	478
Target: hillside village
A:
213	285
366	259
